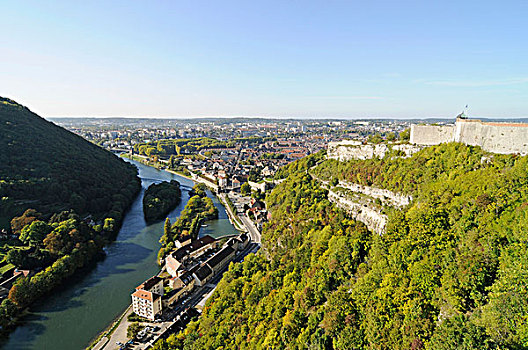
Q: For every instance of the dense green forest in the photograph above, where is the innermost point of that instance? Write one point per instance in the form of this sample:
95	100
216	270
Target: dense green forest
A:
449	273
45	167
57	247
63	199
160	199
198	209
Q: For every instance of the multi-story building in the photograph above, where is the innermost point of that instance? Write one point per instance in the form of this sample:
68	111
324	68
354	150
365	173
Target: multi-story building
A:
202	275
181	286
146	304
146	300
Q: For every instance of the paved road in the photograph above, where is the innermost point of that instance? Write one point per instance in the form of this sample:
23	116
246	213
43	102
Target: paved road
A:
119	333
254	233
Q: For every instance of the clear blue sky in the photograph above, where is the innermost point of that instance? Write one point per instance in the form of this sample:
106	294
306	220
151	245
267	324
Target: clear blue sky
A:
350	59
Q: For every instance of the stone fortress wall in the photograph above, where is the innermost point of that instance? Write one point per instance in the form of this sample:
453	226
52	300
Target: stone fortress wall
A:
504	138
429	135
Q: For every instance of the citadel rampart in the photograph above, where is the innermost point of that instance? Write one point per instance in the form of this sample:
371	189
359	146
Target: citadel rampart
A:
504	138
429	135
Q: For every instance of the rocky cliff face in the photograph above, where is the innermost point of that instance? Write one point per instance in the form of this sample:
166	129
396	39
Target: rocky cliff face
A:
365	203
385	196
347	150
370	216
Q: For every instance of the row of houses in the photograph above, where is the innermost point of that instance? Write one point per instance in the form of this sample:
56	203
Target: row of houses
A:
187	268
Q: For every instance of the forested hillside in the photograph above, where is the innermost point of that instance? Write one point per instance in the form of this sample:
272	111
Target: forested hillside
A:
45	167
63	199
449	273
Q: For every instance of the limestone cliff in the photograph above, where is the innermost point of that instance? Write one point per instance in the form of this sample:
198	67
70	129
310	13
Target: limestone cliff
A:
350	149
365	203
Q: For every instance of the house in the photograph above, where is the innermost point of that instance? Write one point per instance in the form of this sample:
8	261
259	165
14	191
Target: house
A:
222	181
218	261
146	300
256	205
180	286
202	275
235	183
186	280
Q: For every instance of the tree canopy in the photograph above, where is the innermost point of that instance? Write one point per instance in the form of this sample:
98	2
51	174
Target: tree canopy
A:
160	199
57	190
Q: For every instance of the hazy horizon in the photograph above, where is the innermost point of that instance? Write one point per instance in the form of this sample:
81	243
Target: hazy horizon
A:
276	118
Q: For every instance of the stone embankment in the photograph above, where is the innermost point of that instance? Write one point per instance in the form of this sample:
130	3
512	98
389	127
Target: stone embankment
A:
348	149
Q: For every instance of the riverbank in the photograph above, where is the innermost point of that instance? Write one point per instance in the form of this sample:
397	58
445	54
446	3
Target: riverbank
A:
66	262
224	200
231	212
145	160
103	338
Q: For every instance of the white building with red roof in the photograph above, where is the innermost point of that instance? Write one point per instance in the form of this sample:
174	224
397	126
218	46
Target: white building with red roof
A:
146	300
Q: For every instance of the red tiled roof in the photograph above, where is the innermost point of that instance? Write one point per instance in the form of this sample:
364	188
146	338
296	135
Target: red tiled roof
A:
143	294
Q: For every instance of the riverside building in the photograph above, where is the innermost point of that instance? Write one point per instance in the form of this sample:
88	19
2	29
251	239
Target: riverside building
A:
146	300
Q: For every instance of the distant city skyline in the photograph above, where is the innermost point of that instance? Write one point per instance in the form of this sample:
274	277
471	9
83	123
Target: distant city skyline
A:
273	59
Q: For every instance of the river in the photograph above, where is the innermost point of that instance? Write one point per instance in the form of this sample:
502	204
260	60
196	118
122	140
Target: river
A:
75	313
